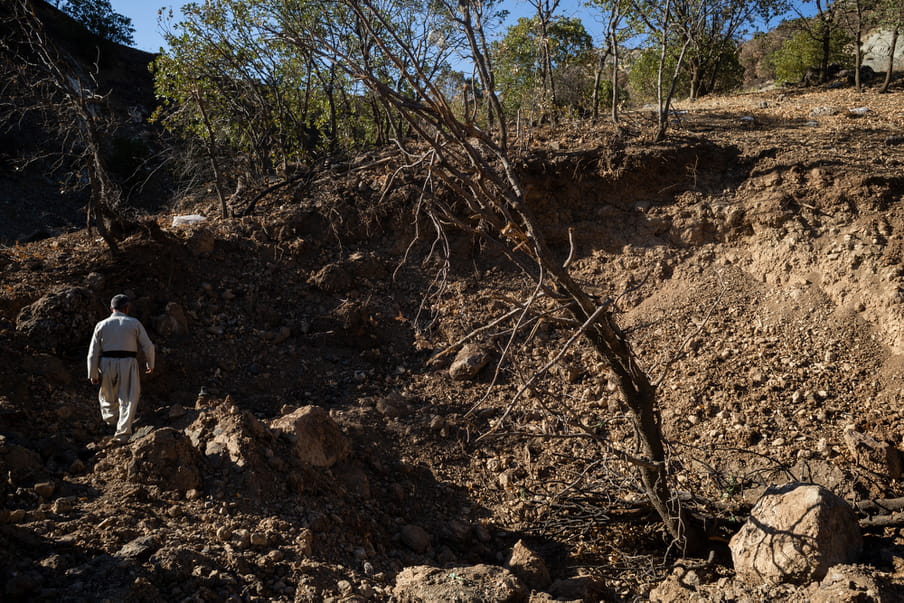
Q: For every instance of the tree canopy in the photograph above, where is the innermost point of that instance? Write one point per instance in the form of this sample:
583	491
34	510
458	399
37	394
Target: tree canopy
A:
99	17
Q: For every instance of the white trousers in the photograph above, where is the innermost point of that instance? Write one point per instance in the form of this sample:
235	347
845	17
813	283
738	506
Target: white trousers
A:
120	387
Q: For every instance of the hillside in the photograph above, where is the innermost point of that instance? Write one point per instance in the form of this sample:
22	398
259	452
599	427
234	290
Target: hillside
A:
767	232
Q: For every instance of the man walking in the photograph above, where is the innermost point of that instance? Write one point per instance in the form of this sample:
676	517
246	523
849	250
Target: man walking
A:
112	362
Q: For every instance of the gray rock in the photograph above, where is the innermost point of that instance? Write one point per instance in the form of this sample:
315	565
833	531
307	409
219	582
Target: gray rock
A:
139	548
468	362
795	533
824	111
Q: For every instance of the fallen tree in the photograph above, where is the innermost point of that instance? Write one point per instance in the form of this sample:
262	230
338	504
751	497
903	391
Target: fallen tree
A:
470	182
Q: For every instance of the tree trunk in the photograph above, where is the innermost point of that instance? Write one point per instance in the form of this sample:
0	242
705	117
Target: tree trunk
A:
858	49
615	83
891	60
640	397
212	154
597	78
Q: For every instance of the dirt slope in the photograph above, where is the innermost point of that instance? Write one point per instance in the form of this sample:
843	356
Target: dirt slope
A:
765	235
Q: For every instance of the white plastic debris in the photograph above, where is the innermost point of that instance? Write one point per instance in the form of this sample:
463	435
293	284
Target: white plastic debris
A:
187	220
859	110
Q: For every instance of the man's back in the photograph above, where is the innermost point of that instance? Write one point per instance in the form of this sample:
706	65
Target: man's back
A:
119	332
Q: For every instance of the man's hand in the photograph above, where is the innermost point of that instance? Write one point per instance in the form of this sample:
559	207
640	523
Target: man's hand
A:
148	371
95	380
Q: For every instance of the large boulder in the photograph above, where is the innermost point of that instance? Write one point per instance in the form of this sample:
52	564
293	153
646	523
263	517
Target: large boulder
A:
794	534
472	584
318	441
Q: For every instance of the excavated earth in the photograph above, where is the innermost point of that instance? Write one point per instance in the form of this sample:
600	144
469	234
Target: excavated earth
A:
754	257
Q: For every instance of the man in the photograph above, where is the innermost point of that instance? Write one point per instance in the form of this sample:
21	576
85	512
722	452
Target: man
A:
112	362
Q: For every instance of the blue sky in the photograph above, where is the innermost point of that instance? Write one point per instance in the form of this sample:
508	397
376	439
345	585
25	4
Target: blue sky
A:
143	14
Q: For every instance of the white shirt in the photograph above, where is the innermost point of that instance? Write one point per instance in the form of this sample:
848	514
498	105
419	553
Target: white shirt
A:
118	333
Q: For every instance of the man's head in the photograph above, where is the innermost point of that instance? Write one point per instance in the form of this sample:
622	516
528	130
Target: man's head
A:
120	303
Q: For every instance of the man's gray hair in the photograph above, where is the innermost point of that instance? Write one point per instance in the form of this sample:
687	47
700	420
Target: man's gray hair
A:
119	302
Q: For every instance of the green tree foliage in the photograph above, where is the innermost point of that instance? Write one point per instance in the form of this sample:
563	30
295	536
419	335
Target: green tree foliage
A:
642	79
244	96
236	82
755	52
519	69
802	52
99	17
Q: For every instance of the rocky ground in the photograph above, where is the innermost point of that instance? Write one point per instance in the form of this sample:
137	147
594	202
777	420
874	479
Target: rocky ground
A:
303	438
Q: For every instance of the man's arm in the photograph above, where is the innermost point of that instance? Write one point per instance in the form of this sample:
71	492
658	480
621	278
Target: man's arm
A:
147	347
94	355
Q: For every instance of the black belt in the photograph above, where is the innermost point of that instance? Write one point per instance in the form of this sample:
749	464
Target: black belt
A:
118	354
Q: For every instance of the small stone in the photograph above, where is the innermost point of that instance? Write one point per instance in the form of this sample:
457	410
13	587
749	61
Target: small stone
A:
275	555
258	539
139	548
468	362
344	586
224	534
17	516
176	411
63	505
437	423
193	494
244	538
174	511
305	542
77	466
